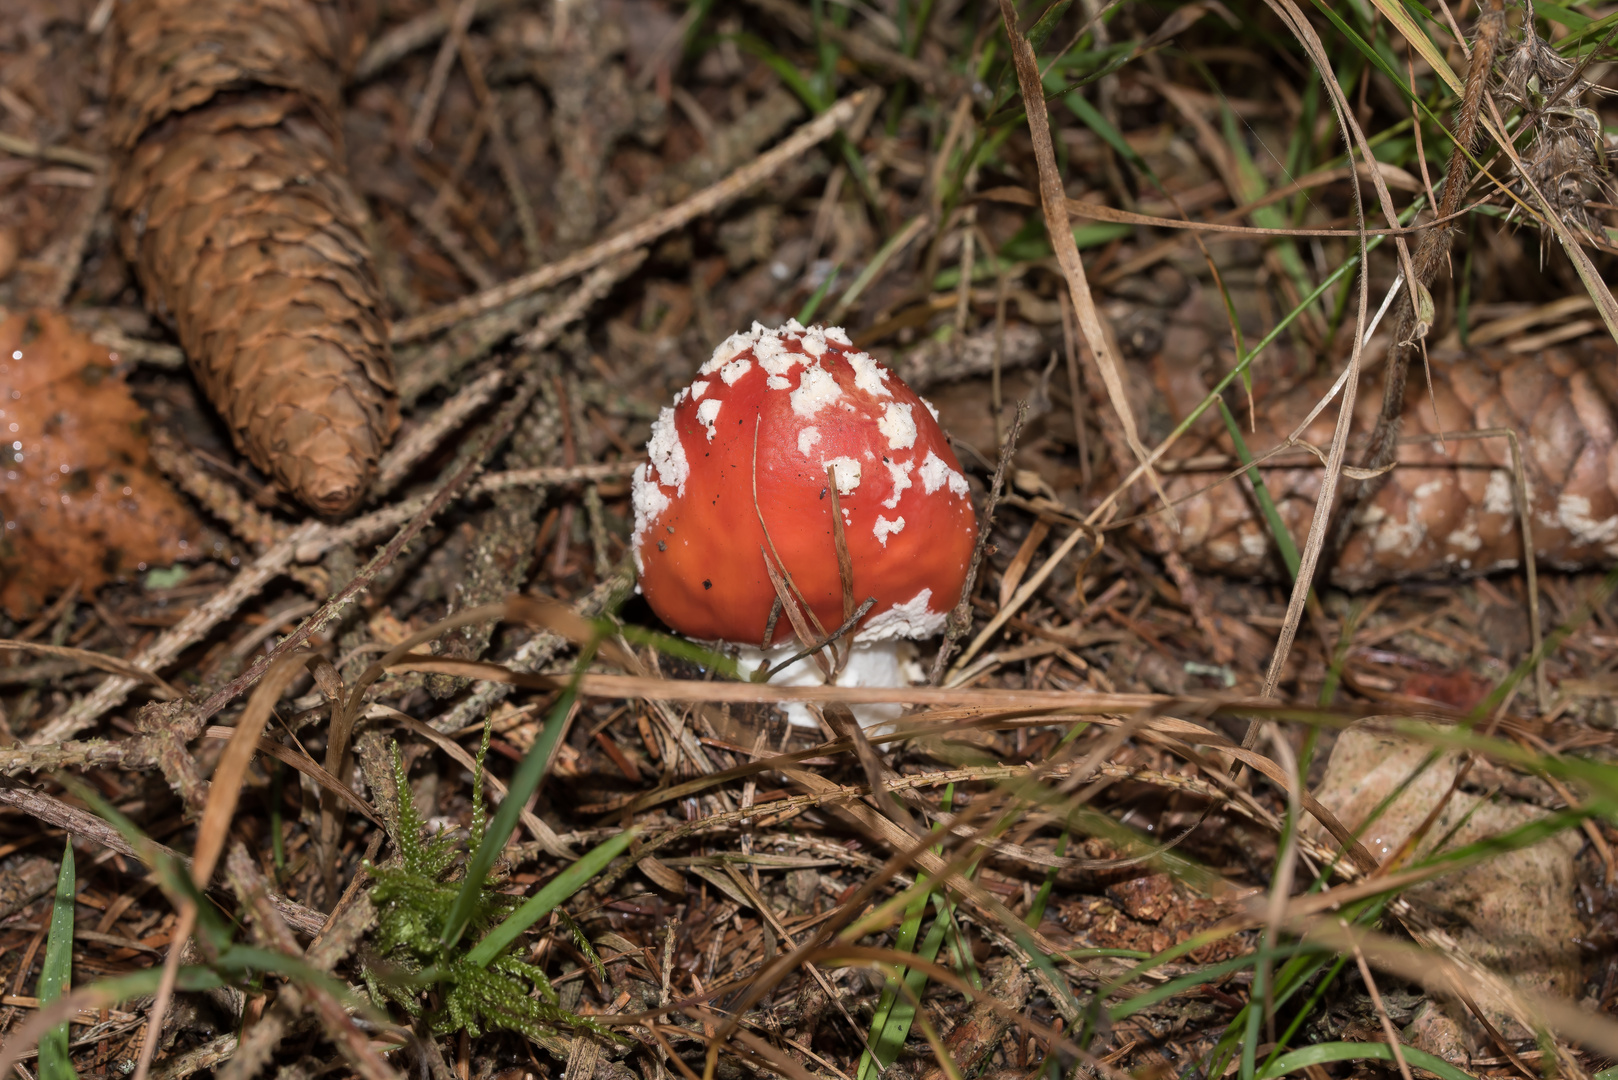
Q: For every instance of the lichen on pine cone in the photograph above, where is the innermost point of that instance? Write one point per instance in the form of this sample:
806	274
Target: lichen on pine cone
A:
235	209
1440	513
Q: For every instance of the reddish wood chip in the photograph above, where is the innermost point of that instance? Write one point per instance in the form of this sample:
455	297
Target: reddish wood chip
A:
79	497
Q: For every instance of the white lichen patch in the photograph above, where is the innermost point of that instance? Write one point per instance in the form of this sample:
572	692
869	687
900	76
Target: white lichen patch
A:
868	375
885	528
698	388
816	389
898	425
1465	538
912	619
899	473
847	471
935	473
668	453
707	414
807	438
1497	496
1573	511
1402	538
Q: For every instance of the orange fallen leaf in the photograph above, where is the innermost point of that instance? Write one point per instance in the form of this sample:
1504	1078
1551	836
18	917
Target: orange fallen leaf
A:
79	497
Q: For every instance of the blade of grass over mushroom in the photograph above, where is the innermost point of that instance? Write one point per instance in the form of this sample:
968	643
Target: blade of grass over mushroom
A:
806	314
56	970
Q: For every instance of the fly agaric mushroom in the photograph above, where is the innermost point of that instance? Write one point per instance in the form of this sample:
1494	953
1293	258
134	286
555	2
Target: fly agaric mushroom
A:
756	438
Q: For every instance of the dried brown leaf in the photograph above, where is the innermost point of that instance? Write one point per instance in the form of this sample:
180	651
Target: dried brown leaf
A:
79	497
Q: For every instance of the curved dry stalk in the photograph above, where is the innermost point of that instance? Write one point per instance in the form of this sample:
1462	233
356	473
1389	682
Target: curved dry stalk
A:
1432	251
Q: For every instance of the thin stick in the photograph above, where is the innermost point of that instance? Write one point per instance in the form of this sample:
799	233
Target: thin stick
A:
1388	1031
187	632
438	78
703	202
328	612
53	811
409	451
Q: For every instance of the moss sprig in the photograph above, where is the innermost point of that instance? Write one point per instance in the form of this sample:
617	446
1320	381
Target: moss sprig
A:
414	897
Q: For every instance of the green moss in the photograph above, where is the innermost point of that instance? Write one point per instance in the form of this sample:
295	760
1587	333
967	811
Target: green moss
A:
413	900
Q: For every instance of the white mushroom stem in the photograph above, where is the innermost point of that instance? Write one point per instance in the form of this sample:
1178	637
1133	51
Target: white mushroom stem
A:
889	662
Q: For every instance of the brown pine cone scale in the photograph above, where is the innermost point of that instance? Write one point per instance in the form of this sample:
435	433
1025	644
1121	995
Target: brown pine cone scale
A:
1442	513
235	208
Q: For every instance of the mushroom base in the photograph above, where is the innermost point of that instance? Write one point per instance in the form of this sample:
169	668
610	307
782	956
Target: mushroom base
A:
886	663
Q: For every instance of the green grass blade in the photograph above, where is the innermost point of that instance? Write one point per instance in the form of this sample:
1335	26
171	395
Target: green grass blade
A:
1266	504
812	305
903	941
1326	1053
530	774
1036	910
55	976
890	1026
555	892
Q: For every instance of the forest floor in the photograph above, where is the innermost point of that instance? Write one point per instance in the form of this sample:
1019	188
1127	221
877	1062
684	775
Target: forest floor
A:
1111	882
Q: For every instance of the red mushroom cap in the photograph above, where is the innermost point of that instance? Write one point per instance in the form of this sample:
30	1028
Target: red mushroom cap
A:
815	402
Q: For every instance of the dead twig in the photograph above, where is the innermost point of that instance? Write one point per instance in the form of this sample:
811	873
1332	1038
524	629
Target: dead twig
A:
703	202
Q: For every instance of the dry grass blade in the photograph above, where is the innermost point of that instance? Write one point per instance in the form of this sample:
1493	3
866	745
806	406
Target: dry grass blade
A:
1442	968
1054	200
212	831
1313	547
25	1036
54	812
95	660
1388	1030
306	765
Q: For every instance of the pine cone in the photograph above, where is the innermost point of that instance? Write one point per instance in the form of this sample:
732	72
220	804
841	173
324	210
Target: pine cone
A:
1441	514
235	208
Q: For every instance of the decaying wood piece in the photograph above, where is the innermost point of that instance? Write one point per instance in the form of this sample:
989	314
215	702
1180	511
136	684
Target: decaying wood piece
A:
1446	512
234	208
